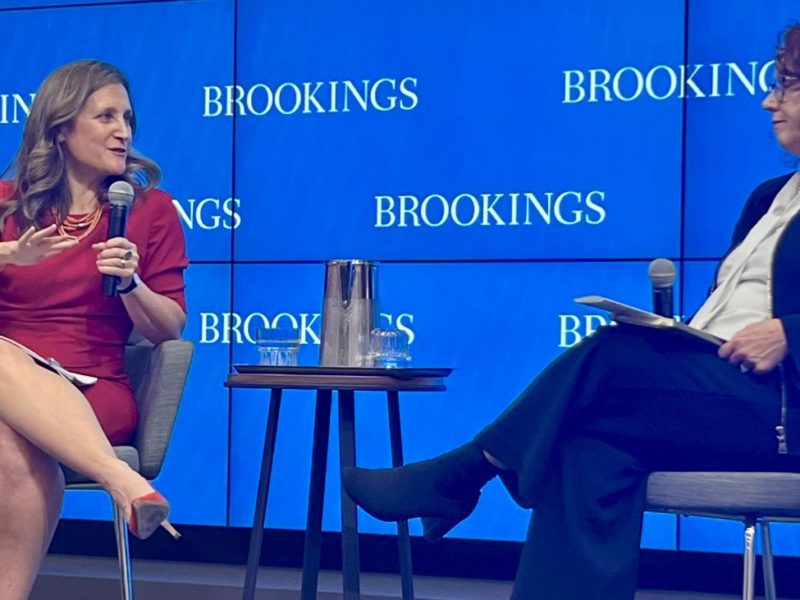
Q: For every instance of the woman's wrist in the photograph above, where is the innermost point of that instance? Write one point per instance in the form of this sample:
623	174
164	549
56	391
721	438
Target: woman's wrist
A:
124	283
8	251
128	284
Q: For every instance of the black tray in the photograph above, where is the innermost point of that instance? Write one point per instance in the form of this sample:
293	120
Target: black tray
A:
400	373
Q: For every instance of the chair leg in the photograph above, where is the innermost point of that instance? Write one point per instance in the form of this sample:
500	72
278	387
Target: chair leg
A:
748	584
769	573
123	554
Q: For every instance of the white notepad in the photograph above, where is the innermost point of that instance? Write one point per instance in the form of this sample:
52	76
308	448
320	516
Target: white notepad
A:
623	313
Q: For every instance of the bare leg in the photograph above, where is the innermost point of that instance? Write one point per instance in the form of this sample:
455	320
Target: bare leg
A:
31	491
54	416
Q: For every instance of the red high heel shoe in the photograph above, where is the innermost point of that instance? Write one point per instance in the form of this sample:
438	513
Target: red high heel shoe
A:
148	512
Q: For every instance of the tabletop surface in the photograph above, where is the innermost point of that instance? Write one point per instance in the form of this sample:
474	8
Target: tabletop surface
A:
309	378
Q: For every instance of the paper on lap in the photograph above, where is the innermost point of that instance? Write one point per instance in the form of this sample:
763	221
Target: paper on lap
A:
77	379
623	313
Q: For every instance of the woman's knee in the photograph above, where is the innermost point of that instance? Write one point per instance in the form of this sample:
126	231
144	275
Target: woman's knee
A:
11	356
15	366
607	339
613	334
26	469
614	354
18	371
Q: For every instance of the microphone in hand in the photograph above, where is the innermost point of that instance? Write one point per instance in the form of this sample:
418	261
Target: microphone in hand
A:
120	198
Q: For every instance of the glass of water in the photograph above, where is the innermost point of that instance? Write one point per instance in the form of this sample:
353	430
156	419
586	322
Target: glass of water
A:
278	346
388	348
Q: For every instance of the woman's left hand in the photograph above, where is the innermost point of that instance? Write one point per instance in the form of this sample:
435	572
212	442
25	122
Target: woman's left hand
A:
117	256
758	347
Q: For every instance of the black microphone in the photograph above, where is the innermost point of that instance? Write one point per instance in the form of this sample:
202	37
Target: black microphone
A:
120	198
662	274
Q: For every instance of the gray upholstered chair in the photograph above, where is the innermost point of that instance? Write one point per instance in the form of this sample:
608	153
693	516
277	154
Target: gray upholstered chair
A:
749	497
158	374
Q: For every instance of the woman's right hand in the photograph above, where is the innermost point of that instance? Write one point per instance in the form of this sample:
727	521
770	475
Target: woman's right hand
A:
34	246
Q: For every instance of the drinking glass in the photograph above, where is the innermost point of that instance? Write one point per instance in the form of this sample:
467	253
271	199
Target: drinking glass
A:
278	346
388	348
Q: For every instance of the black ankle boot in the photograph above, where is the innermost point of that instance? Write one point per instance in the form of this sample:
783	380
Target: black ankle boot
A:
445	489
435	528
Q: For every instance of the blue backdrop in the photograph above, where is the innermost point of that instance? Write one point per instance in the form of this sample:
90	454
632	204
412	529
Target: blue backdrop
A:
500	158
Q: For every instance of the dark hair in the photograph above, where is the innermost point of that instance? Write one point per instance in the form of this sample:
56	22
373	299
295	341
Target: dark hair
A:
39	169
787	58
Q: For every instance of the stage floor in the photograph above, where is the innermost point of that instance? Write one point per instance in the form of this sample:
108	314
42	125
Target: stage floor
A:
78	578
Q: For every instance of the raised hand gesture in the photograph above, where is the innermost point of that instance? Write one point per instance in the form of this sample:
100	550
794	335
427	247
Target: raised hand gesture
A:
34	246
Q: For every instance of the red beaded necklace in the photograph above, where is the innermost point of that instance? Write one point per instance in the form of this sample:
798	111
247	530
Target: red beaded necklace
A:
80	226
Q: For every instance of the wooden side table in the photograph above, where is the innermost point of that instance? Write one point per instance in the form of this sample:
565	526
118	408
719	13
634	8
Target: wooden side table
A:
325	381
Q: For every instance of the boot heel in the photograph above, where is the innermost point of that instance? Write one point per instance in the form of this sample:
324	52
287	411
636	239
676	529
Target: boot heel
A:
435	528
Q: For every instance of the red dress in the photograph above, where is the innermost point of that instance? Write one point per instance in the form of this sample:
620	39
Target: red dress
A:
55	307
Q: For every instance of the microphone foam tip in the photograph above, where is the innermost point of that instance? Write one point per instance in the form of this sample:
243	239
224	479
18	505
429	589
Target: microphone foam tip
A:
120	193
661	272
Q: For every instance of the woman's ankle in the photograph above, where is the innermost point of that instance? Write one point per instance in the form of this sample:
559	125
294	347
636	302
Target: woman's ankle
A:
494	461
125	485
466	471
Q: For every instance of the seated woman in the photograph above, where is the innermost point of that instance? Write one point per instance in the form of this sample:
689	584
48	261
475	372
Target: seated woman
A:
578	444
54	252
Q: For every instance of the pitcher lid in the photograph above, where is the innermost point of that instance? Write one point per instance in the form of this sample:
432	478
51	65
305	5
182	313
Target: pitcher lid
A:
351	261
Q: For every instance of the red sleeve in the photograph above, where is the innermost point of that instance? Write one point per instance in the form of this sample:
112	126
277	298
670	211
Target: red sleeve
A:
164	258
6	190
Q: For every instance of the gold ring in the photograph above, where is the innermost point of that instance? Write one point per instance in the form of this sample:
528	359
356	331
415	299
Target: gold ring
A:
122	263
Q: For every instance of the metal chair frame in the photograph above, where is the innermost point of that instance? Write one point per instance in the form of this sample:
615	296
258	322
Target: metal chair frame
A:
746	497
148	367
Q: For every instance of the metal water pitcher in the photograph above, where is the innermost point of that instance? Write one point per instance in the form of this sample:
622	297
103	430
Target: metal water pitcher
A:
349	312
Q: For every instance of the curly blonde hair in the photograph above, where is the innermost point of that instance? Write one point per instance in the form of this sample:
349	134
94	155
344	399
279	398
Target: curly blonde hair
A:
41	191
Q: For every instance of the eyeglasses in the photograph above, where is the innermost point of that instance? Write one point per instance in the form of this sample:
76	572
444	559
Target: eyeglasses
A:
783	84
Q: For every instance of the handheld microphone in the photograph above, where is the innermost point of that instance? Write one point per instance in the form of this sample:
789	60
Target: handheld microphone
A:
662	275
120	198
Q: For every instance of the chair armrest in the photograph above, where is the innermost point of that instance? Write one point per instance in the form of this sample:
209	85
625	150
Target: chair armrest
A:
159	386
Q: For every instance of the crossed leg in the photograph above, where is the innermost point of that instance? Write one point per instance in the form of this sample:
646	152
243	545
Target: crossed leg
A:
45	420
31	491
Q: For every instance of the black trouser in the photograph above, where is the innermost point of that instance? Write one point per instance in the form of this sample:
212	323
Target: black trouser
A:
581	439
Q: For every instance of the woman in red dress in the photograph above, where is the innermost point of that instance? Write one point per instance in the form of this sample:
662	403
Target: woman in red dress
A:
53	253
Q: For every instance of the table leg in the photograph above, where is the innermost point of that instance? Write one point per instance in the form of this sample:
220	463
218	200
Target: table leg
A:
316	495
257	533
347	458
403	539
